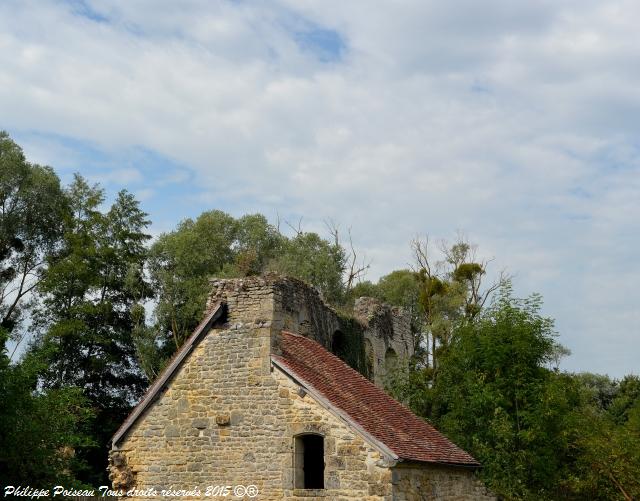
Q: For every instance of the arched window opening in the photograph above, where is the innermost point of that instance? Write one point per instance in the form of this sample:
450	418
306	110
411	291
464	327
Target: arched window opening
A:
368	358
309	461
339	344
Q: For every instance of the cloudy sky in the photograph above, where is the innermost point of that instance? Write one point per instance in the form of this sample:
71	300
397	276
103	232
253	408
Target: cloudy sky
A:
517	123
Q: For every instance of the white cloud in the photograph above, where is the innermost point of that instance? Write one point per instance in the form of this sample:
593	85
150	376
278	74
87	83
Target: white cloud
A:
515	123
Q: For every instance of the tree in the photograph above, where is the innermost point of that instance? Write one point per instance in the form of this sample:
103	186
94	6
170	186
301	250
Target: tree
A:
256	242
40	428
311	258
90	295
606	441
495	397
181	263
353	269
450	291
32	208
627	398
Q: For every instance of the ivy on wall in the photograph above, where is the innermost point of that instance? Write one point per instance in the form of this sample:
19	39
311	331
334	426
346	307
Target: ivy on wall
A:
348	344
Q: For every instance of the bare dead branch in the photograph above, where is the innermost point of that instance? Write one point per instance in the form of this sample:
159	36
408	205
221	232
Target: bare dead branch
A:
278	222
333	230
420	248
355	272
298	230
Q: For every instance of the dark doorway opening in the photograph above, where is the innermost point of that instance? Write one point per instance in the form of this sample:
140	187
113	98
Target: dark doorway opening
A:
339	344
309	451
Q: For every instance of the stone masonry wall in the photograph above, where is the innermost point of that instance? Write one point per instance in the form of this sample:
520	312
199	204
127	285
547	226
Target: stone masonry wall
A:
292	306
227	419
298	308
388	329
437	482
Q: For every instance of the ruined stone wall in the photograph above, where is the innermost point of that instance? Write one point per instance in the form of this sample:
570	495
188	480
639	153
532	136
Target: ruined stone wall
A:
292	306
388	330
437	482
227	418
300	309
296	307
250	301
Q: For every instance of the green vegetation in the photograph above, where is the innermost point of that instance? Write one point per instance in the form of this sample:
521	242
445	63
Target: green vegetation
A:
40	427
76	279
348	344
181	263
538	432
87	314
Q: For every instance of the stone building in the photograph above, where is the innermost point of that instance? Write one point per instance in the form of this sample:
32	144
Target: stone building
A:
257	397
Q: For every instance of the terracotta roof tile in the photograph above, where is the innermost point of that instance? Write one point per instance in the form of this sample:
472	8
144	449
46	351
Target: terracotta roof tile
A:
388	421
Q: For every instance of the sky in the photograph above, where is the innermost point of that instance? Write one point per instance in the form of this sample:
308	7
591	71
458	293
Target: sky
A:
514	123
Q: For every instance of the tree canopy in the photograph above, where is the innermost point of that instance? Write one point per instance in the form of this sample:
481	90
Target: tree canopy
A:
40	428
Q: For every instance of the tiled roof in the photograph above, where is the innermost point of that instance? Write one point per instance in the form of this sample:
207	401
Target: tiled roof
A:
370	408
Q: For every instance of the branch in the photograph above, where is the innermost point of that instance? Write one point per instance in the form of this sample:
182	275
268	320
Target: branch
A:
297	230
21	290
278	222
18	341
333	229
355	273
420	249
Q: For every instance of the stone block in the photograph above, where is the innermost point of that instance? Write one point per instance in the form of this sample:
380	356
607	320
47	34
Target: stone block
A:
200	423
223	420
236	418
194	467
172	431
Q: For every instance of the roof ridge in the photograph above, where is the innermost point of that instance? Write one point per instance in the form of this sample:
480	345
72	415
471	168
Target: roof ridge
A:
284	331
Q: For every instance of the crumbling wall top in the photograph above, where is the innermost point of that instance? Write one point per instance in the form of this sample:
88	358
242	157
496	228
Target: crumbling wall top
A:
280	303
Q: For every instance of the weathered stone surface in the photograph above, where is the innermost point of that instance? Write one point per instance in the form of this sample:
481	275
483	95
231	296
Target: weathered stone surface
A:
436	482
229	417
120	474
299	308
200	423
223	420
172	431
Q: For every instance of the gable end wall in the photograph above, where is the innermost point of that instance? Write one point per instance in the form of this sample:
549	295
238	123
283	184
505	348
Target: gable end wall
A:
228	418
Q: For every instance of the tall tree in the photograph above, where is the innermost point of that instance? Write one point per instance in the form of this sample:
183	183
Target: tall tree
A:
256	243
496	397
181	263
39	428
606	440
90	296
218	245
452	290
32	208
